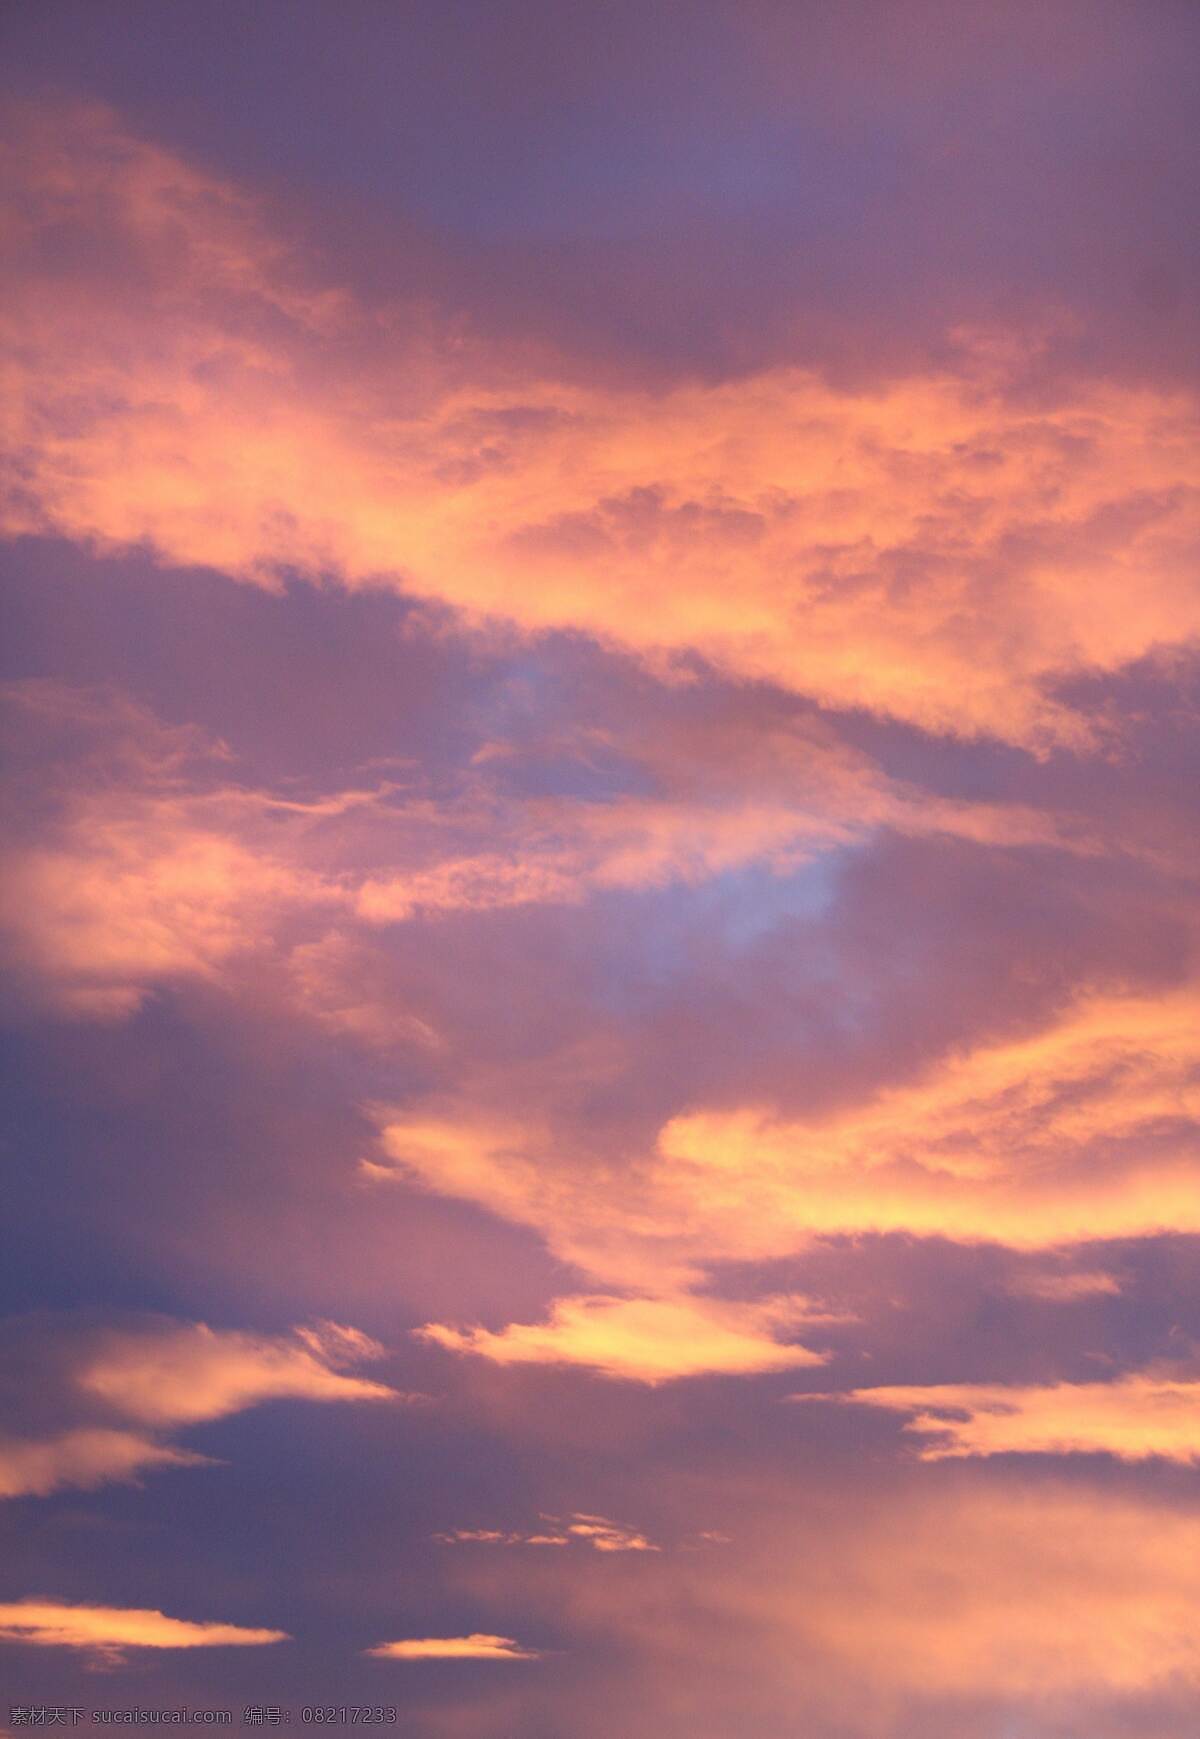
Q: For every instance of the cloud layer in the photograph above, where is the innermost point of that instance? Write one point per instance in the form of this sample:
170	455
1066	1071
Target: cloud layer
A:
600	685
928	549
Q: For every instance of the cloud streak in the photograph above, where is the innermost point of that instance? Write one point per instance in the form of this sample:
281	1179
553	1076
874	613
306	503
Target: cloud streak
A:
83	1459
1134	1418
478	1646
178	1376
598	1532
109	1631
161	1375
153	863
646	1340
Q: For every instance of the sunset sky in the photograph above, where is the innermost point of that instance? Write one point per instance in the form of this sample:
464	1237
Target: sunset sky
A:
601	690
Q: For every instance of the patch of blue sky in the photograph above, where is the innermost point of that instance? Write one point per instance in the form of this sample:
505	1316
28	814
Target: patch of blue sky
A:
744	905
526	723
659	937
593	776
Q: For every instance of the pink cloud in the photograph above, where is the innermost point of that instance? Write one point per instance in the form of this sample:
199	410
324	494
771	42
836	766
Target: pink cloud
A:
84	1458
925	548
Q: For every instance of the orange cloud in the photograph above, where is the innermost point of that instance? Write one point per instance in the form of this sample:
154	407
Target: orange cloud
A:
169	1374
83	1458
179	1375
645	1340
110	1630
929	549
1020	1593
1086	1130
477	1646
1133	1418
1044	1597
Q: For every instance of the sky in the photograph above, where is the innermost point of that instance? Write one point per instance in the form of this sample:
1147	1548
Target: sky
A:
601	1012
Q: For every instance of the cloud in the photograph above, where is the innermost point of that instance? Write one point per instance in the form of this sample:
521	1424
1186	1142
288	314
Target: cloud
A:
628	921
84	1458
933	549
885	1605
606	1536
943	1600
161	1374
624	926
140	904
495	1537
133	859
782	800
1065	1288
108	1631
138	858
566	852
477	1646
1087	1129
597	1532
1017	1593
1133	1418
179	1375
645	1340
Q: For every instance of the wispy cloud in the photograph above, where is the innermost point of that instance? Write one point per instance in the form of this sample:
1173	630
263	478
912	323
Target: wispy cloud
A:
176	1376
161	1375
598	1532
85	1458
646	1340
1065	1288
109	1631
1134	1418
152	862
1085	1129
